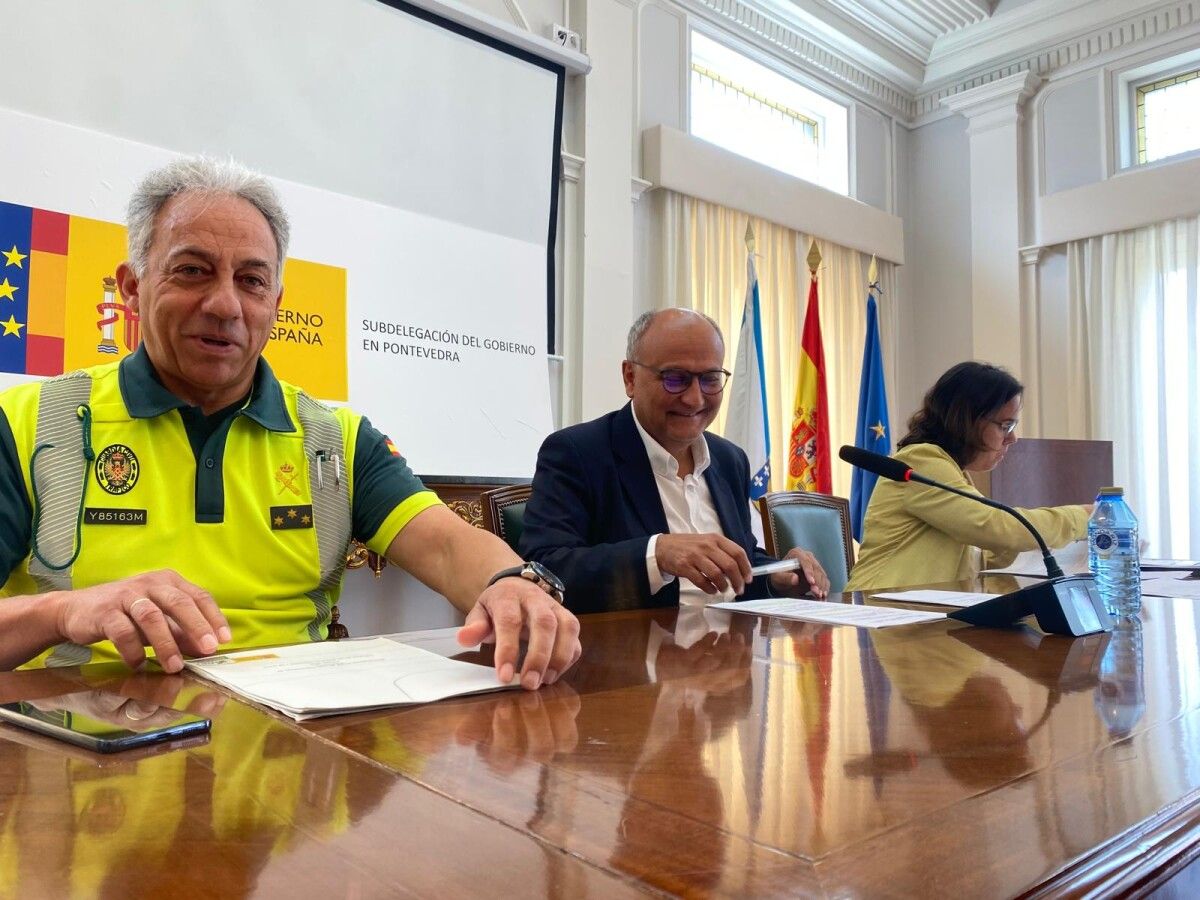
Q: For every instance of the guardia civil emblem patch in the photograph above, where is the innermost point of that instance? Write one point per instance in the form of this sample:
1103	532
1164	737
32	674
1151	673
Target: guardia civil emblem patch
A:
116	469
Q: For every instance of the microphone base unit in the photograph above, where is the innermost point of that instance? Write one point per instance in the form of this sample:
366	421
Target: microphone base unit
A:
1070	605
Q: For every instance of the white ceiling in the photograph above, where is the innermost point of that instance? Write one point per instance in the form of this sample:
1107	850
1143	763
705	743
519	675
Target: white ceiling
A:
912	25
921	44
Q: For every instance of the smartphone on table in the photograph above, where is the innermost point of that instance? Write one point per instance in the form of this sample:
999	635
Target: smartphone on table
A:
102	721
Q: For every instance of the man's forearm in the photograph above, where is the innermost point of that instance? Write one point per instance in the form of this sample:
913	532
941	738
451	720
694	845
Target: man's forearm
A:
28	625
473	560
451	557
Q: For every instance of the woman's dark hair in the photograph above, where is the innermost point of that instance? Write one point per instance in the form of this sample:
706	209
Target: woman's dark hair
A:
951	411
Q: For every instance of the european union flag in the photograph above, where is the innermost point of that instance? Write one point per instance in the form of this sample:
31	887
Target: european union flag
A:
16	225
873	432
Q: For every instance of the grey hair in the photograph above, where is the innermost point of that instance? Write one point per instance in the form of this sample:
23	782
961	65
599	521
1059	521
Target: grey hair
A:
642	324
205	176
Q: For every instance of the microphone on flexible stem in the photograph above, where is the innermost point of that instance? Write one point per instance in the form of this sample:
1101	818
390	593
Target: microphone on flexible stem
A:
895	470
1063	604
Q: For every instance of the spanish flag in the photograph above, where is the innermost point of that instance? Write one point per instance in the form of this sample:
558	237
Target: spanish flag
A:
60	309
809	461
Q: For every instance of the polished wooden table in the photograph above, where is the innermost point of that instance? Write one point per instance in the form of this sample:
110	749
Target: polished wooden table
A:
690	752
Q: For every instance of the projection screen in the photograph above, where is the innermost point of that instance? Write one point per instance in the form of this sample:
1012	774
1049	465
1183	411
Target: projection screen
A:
418	161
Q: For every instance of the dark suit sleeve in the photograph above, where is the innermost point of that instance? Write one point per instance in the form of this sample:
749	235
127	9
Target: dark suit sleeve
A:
561	519
16	513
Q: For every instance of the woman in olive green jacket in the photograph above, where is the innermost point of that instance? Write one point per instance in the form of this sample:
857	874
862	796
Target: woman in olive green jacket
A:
915	534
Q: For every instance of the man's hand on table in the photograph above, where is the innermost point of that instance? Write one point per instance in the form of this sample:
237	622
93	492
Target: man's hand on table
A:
512	609
159	609
810	579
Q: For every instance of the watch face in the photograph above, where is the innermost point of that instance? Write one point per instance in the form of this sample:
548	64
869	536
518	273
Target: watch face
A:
545	575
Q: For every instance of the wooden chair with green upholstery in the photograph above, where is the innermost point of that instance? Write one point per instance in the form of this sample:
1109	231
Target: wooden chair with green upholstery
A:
820	523
504	511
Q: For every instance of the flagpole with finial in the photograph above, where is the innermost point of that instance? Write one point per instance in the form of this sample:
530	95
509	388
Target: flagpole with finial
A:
814	259
746	424
809	449
873	277
873	428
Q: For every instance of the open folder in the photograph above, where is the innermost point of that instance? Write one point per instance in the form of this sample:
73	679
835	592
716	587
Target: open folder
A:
305	681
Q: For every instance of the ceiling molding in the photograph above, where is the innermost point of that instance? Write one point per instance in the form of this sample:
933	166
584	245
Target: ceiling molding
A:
1024	30
808	51
849	29
1136	28
994	104
572	167
856	46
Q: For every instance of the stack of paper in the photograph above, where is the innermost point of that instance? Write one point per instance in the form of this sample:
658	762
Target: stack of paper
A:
830	613
1073	558
1171	587
1171	565
309	680
961	599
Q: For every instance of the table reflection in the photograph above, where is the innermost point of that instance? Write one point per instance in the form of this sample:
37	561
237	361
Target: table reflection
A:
1121	694
126	825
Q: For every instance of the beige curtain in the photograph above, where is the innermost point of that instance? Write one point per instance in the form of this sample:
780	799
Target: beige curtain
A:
1134	352
705	269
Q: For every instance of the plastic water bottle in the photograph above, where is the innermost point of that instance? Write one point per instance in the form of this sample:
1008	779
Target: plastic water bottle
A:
1113	554
1121	694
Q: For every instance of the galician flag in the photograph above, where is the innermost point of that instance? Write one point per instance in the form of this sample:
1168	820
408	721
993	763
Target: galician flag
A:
808	449
872	432
746	425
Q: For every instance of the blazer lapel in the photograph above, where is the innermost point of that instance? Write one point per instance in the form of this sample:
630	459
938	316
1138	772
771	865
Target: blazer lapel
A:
637	478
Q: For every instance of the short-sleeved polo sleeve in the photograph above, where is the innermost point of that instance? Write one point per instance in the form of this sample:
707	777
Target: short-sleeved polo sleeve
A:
387	495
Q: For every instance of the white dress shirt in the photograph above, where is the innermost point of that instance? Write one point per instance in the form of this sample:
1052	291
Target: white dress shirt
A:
689	507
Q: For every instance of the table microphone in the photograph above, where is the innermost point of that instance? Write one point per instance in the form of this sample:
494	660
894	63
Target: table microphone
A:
1063	604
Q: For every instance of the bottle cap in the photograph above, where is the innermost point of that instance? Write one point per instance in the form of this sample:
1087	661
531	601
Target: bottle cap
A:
1112	492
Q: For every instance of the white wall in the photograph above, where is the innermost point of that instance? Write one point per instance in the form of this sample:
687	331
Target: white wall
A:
1079	190
1073	135
1070	186
872	163
921	174
937	245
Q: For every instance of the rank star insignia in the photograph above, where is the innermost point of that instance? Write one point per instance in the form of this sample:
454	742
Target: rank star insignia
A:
288	518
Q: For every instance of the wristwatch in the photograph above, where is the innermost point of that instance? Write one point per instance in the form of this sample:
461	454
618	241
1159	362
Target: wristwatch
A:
538	574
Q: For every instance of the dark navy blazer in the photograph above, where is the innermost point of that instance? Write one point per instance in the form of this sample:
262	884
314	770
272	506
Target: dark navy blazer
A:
595	504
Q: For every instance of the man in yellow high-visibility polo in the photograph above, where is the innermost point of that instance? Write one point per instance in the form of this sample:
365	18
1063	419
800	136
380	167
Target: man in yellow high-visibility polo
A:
184	498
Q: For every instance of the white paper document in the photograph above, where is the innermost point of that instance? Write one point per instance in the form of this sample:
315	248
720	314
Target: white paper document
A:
961	599
830	613
1073	558
332	677
1171	587
1171	565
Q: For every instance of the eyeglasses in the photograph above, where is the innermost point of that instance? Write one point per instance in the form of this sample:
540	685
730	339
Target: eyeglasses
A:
1008	426
676	381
